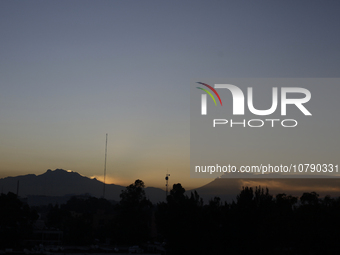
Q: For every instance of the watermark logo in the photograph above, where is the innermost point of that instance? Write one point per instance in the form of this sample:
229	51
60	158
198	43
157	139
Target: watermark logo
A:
238	99
204	97
264	128
238	96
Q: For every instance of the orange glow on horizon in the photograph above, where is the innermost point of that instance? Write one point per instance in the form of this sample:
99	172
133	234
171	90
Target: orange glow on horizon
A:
109	180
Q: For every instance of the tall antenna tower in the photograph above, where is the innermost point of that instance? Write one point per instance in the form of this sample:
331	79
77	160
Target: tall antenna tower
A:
166	185
105	166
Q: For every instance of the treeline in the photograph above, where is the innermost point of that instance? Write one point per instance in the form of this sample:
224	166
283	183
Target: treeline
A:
85	220
16	221
255	223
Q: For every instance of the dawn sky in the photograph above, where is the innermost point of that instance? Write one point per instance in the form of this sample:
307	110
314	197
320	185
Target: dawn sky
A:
72	71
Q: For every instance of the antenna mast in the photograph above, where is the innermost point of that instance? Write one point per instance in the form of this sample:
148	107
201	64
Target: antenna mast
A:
105	165
166	185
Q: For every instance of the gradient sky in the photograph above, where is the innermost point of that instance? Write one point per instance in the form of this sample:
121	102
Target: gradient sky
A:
72	71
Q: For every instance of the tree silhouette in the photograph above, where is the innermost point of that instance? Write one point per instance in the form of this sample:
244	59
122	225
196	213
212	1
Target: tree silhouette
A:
134	195
134	215
16	221
310	198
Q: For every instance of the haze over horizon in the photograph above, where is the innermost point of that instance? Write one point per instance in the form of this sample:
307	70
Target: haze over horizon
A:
57	186
72	71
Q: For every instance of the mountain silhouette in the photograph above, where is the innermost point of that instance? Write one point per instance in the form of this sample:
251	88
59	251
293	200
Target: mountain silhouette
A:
228	188
61	183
